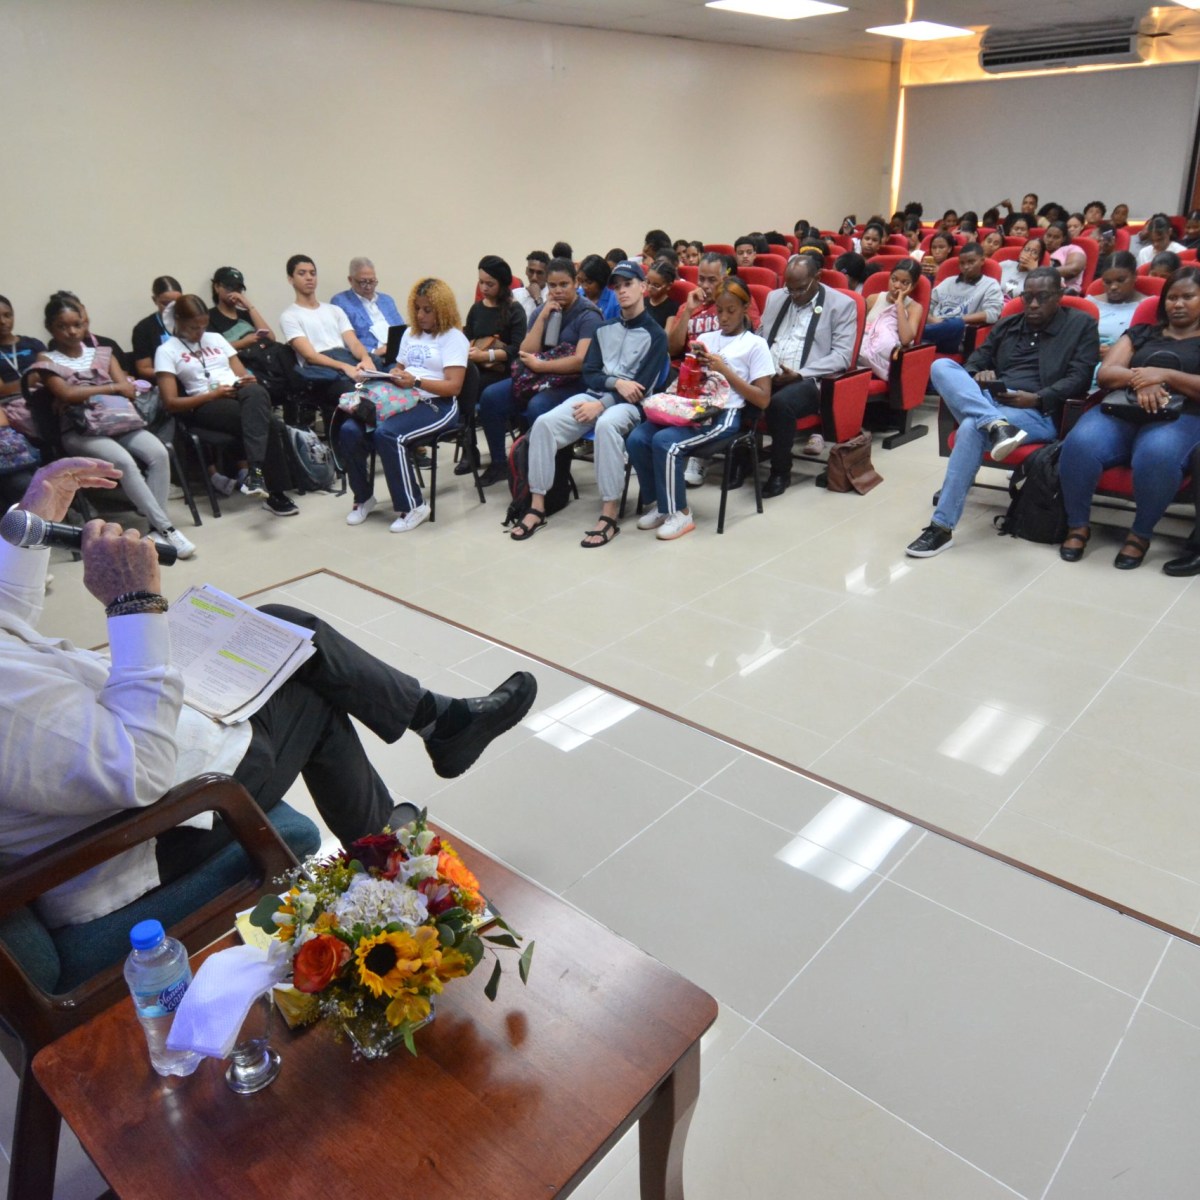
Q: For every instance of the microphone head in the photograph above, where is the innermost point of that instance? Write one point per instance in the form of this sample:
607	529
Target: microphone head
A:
21	528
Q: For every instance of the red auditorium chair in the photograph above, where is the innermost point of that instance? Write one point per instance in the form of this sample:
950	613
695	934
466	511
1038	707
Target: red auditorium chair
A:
1018	242
718	248
1148	285
832	278
793	241
680	290
759	275
772	262
838	239
898	240
885	262
759	294
950	267
691	274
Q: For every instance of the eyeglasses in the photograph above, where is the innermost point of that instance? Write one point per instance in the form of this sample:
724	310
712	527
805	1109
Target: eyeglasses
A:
367	283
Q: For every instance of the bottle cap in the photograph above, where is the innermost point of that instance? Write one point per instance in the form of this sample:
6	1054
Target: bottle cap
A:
145	935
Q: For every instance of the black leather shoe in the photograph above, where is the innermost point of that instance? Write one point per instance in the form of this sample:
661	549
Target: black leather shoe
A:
494	474
468	463
1131	562
737	473
491	716
776	485
1186	564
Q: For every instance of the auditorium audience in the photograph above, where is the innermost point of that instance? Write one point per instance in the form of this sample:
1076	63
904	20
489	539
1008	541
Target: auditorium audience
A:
150	332
659	277
968	298
1120	216
871	241
893	318
537	263
1067	259
372	312
992	241
1154	363
432	363
1014	272
1120	298
76	372
742	359
1157	236
593	277
1093	213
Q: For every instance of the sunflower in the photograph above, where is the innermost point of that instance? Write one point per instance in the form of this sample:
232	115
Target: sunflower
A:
387	961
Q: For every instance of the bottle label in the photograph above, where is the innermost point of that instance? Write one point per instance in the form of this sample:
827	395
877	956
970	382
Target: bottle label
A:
170	997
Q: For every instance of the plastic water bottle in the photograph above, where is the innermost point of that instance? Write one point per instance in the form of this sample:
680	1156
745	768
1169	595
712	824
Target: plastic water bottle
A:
158	973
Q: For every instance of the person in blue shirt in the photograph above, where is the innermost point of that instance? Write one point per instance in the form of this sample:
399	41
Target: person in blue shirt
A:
371	311
594	274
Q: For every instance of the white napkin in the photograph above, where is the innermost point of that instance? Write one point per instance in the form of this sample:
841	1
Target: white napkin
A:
213	1008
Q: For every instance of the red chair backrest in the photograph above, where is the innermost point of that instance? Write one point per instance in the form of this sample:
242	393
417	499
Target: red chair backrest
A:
1091	251
718	248
772	262
681	289
1177	226
1148	285
885	262
1015	241
760	294
793	241
767	278
1146	313
957	239
1012	253
950	267
861	306
1120	239
691	274
832	278
838	239
921	293
1187	256
898	240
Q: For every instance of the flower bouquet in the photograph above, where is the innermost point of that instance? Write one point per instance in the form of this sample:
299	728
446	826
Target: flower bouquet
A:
376	931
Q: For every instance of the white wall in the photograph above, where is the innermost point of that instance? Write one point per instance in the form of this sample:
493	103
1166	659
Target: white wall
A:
1117	136
146	138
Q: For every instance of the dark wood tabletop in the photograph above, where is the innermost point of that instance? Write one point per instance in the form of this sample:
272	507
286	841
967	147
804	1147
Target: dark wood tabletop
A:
506	1101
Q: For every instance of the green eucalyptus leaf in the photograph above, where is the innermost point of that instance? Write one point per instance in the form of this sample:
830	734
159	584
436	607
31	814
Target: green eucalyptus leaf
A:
472	948
501	939
523	963
493	984
446	935
262	916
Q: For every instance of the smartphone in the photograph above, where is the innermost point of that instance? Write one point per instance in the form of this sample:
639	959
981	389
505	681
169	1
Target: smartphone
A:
262	334
997	387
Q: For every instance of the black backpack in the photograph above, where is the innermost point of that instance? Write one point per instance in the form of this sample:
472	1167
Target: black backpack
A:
1036	512
559	495
309	461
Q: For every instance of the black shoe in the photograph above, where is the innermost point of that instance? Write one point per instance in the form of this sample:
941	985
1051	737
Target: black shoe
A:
738	472
1130	562
776	485
279	505
254	484
1186	564
494	474
1004	439
491	716
933	540
468	463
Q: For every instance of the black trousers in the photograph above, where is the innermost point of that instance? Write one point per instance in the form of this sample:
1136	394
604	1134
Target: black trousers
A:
800	398
304	730
247	417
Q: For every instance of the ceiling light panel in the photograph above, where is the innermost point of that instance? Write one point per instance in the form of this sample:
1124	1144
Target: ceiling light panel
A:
921	31
782	10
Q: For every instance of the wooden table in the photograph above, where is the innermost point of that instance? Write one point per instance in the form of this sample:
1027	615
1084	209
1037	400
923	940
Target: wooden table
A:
507	1101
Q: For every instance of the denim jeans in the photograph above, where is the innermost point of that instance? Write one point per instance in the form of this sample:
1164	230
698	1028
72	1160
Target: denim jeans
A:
946	335
497	405
1159	453
975	410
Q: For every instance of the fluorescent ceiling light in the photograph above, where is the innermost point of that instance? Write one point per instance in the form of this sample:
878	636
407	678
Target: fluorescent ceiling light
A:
783	10
922	31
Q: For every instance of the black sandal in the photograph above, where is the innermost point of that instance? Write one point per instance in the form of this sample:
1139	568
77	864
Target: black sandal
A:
606	529
523	532
1069	553
1128	562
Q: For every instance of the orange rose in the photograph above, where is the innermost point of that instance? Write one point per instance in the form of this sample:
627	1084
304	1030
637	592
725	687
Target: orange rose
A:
317	962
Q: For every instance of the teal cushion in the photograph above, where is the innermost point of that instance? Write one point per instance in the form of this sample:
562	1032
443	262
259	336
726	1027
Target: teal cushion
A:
30	944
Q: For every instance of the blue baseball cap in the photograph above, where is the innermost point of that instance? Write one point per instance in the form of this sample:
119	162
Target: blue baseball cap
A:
629	269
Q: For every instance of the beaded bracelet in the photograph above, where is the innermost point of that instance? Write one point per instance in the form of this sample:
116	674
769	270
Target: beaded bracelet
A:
131	604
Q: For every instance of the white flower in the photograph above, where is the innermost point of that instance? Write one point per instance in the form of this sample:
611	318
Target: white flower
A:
378	902
420	866
304	904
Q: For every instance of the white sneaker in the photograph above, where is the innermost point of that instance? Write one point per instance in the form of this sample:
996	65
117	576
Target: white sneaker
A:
651	518
411	520
693	473
675	526
814	445
358	514
183	547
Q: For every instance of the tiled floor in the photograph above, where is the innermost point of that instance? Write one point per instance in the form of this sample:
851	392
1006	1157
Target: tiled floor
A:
902	1016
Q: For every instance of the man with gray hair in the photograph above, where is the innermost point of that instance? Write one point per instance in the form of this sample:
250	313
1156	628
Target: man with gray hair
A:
371	312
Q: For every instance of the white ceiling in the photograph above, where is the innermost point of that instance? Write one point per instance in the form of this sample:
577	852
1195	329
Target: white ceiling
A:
838	33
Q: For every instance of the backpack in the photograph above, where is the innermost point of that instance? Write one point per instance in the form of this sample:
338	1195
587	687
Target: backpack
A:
557	497
1036	512
309	460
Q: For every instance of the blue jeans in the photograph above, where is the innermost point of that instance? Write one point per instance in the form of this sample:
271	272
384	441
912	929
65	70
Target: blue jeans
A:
659	453
975	410
946	335
1159	453
497	404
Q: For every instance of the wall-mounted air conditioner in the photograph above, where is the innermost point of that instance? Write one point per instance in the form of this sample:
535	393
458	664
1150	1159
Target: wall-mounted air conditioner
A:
1083	44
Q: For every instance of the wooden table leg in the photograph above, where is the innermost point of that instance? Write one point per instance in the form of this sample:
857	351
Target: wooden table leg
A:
663	1128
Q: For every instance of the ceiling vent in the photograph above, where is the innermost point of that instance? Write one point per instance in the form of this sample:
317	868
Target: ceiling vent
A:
1063	46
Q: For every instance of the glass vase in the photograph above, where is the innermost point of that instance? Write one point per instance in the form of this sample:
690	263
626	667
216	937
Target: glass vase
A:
372	1037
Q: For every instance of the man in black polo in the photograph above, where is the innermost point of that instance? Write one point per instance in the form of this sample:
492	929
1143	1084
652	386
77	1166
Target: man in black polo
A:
1011	388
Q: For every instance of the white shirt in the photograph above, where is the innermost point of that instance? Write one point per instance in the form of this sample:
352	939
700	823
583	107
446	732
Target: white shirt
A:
1147	252
788	348
379	323
746	352
323	326
83	736
427	355
188	361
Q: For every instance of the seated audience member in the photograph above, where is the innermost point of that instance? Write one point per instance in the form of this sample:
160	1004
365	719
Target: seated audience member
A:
819	248
810	330
802	229
653	244
1158	236
1120	299
1014	272
893	318
1069	260
968	224
1105	238
232	315
871	241
1029	205
496	325
680	246
854	267
1191	230
896	223
200	376
1016	225
1164	264
949	221
615	256
699	312
1050	213
551	357
1035	375
593	277
694	255
941	247
914	235
1120	216
77	373
990	218
625	361
1093	213
659	277
1075	224
150	332
17	352
745	249
777	243
96	341
848	225
657	452
968	298
327	349
992	241
562	250
372	312
432	361
1155	361
116	725
533	294
1188	563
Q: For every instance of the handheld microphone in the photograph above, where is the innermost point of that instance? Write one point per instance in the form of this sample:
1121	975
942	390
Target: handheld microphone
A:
21	528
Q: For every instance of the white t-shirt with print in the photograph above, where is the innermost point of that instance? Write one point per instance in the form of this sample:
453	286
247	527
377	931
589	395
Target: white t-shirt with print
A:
427	355
746	352
323	326
183	360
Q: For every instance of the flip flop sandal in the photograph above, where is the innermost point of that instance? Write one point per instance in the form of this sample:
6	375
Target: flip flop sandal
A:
606	529
523	532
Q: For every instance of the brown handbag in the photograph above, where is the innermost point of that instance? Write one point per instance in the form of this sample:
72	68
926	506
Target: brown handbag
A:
850	468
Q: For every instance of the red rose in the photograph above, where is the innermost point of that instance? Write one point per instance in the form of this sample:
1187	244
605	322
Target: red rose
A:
373	850
318	961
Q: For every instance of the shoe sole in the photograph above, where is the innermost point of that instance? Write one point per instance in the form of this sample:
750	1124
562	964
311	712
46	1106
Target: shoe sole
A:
1005	448
670	537
656	525
291	512
467	745
408	528
928	553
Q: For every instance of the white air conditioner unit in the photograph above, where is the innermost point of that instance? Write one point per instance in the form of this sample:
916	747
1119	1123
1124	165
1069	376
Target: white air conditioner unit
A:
1084	44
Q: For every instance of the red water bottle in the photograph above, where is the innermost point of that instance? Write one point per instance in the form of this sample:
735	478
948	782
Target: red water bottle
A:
690	377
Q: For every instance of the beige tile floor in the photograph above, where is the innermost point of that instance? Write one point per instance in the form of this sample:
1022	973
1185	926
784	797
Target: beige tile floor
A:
901	1015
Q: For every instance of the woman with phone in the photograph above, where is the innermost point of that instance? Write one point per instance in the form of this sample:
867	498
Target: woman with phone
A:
893	318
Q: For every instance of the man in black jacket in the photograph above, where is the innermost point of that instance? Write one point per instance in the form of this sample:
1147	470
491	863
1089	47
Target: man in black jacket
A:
1011	388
